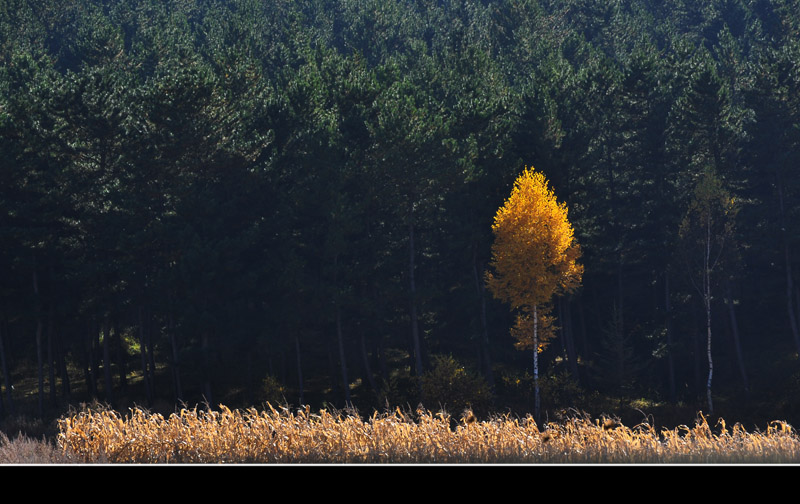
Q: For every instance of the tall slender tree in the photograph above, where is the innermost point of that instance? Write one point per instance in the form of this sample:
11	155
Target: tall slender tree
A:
534	255
706	233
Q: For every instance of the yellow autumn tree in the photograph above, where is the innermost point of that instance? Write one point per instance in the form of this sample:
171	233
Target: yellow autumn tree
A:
534	258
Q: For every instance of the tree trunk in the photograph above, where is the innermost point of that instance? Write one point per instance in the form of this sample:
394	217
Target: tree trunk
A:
668	324
40	366
565	314
51	356
485	355
119	352
95	353
150	352
6	374
109	380
52	341
735	333
707	298
342	361
2	402
206	353
787	266
340	336
61	358
333	360
143	355
299	368
413	298
536	408
697	323
710	361
620	324
88	368
39	351
383	365
176	364
367	367
587	350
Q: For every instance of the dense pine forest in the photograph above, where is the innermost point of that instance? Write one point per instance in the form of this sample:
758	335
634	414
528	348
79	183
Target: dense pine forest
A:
240	201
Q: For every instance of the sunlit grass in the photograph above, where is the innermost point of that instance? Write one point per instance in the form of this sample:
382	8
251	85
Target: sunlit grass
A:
302	436
25	450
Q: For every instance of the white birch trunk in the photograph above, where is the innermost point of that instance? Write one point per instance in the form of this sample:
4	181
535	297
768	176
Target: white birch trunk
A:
707	289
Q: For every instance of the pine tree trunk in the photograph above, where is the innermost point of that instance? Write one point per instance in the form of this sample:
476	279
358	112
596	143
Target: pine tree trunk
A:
383	365
565	313
119	354
39	351
485	355
95	353
536	408
584	340
109	381
88	368
342	361
51	357
620	325
788	268
40	366
151	353
413	299
52	341
736	340
176	364
668	324
340	336
6	373
206	353
299	369
367	368
61	359
143	355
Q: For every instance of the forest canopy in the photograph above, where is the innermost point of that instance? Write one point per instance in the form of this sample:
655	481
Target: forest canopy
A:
247	200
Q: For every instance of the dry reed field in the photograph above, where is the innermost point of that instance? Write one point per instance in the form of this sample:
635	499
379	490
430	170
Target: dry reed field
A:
284	436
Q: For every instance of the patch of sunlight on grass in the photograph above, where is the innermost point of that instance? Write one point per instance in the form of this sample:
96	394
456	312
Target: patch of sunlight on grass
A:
643	403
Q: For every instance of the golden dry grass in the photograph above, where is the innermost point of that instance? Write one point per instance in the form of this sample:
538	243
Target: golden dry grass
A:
25	450
282	436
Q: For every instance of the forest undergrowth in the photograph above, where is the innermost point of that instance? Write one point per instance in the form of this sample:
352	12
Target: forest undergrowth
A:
302	436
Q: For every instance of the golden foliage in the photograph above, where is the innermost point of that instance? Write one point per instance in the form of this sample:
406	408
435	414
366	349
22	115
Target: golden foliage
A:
523	329
283	436
534	257
535	254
